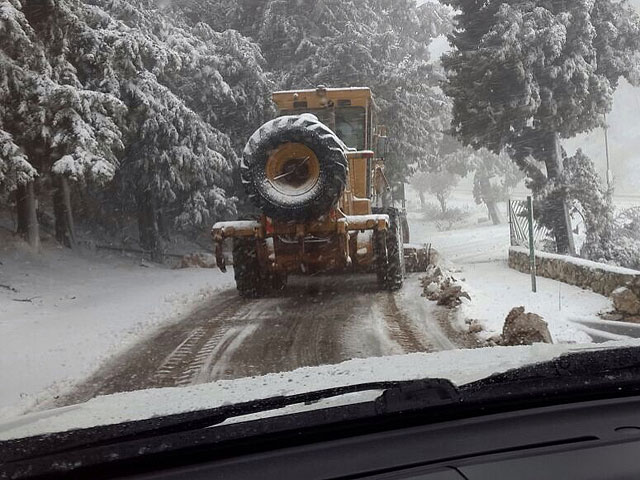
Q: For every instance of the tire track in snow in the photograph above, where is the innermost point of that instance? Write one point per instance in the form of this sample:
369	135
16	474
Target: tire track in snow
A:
158	360
402	330
315	321
178	356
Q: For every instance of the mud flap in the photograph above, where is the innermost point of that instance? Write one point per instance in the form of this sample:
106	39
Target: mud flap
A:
220	260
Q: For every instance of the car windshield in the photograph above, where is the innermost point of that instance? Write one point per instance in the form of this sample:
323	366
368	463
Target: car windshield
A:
210	202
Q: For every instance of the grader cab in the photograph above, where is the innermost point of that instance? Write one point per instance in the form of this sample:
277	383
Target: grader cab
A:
316	172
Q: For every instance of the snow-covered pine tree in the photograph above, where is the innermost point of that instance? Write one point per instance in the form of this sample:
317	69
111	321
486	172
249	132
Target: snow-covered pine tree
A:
23	69
382	44
78	137
19	57
206	93
526	73
15	169
125	90
45	110
218	75
174	165
592	202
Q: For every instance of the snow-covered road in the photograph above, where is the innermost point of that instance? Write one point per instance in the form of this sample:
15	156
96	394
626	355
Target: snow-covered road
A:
315	321
94	325
101	325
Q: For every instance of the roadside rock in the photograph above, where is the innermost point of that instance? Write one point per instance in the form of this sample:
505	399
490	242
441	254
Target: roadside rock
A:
439	286
197	260
431	289
625	301
611	316
475	327
522	328
451	296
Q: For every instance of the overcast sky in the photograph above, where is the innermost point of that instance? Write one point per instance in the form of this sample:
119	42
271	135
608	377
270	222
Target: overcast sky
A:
624	139
624	132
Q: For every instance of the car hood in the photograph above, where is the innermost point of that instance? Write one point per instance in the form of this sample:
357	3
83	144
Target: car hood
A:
459	366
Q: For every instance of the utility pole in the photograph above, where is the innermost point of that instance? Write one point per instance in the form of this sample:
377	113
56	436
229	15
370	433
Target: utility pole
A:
606	146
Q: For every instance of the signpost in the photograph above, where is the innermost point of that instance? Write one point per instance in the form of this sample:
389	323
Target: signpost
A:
532	250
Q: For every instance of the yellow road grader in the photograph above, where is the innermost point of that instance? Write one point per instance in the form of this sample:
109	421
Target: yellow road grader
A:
316	173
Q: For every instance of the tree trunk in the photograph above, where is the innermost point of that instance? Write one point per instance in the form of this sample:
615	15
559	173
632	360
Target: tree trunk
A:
442	199
150	240
487	194
163	225
422	199
494	212
26	206
557	204
65	231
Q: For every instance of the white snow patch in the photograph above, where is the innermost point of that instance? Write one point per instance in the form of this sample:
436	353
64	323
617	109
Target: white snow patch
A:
460	366
81	311
495	289
478	256
422	312
237	225
367	332
65	166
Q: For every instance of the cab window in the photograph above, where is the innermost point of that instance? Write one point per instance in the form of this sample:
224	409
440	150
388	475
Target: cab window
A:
350	125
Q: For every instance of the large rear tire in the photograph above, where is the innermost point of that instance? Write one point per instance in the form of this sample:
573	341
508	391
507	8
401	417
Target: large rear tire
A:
251	280
406	236
278	282
246	268
390	267
294	168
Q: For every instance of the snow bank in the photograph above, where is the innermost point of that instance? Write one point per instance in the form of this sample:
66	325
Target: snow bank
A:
479	256
64	314
461	366
495	289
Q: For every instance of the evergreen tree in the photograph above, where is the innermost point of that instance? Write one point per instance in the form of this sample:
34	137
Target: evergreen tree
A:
204	93
124	95
592	201
14	168
382	44
526	73
19	54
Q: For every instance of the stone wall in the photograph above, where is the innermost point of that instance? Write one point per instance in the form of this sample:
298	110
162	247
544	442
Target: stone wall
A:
599	277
